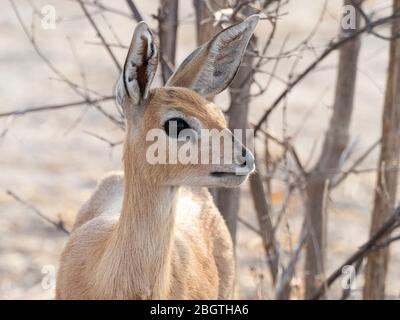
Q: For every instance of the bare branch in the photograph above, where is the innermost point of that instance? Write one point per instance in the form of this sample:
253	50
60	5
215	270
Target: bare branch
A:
100	35
58	224
135	11
287	275
392	223
249	226
110	143
355	164
167	27
105	8
54	107
265	223
333	46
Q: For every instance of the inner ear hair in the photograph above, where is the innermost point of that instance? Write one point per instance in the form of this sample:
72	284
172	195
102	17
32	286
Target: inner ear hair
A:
142	76
140	65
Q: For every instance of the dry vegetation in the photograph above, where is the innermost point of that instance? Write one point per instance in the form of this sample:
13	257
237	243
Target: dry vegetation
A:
323	100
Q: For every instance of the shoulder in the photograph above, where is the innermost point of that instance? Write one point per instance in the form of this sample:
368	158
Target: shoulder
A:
113	181
107	197
80	257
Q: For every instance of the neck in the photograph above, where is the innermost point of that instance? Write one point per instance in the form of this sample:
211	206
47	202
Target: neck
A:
140	247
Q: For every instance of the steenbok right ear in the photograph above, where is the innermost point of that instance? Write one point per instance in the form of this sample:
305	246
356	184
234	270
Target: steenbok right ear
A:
210	68
139	68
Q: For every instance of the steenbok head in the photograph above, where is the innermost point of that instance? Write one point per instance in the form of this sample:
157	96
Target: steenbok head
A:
175	136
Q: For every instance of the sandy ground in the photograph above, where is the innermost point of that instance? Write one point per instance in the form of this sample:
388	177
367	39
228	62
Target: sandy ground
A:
50	161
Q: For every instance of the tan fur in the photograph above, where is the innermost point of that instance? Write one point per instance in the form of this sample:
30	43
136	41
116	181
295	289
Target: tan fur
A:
154	232
167	243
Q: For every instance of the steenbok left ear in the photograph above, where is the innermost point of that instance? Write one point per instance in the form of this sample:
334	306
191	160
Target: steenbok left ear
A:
211	67
139	68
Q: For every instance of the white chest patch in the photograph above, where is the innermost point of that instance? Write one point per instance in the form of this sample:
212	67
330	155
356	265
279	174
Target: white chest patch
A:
187	208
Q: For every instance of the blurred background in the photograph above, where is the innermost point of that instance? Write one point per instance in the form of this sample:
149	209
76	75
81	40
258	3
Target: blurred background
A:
51	159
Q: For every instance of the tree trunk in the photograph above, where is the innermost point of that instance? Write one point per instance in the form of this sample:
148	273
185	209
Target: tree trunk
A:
167	27
228	200
205	31
265	223
336	141
385	192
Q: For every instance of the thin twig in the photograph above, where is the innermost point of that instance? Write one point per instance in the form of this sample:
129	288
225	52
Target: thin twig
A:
54	107
104	8
110	143
249	226
389	226
287	275
355	164
334	46
136	14
58	224
100	35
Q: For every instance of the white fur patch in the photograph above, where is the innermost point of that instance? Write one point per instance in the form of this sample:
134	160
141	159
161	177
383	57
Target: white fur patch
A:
186	208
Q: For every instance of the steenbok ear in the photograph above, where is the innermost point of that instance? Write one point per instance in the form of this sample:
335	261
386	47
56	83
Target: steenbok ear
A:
139	68
211	67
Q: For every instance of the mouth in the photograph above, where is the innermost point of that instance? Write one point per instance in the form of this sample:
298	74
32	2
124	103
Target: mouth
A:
239	172
227	179
220	174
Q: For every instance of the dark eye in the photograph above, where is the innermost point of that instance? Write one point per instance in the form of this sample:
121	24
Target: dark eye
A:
174	126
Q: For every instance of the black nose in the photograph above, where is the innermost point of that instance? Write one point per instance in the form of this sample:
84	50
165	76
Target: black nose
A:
244	155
